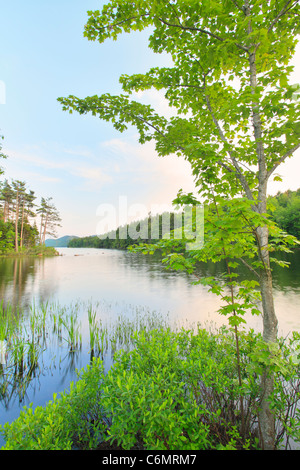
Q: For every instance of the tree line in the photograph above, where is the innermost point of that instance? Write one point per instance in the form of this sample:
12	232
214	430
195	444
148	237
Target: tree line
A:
150	229
19	227
283	209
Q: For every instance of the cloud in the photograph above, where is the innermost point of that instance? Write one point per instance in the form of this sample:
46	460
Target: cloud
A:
34	157
41	178
157	178
94	177
157	100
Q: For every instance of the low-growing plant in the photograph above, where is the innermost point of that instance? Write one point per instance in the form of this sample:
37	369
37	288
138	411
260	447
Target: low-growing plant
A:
171	391
181	390
73	419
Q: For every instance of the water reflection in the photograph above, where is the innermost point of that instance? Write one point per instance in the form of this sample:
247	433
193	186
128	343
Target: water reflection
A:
121	283
25	278
91	274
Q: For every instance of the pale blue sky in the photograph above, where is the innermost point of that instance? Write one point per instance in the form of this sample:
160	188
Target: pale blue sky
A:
81	162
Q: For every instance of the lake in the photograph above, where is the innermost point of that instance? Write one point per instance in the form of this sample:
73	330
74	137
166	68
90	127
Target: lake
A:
120	286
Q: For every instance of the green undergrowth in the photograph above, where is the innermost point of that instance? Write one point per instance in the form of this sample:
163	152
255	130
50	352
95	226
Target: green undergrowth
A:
172	391
38	250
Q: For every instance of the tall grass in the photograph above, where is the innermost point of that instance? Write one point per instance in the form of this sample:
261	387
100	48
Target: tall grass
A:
72	331
29	333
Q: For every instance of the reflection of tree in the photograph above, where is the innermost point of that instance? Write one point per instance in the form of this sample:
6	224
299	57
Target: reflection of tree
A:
20	281
14	276
283	278
29	359
288	279
15	378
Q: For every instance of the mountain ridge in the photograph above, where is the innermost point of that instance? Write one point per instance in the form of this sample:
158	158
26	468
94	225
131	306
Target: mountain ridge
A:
60	242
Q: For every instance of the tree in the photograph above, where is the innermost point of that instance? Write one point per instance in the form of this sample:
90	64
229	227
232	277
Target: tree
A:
26	210
237	119
19	194
285	209
6	196
2	155
49	218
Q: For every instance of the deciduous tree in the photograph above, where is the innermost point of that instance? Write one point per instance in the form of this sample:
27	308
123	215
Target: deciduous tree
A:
237	119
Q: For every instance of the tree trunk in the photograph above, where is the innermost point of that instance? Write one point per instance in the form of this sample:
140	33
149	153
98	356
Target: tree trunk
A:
16	222
22	226
267	422
41	228
270	322
45	228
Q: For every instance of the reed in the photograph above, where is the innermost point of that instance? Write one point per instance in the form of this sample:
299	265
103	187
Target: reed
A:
7	321
30	333
72	330
98	334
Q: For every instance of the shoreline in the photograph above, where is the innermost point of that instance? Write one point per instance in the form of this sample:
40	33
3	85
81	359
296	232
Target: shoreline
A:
34	252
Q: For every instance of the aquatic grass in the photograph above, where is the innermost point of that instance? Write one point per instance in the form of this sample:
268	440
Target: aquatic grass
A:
98	334
92	328
72	330
7	321
43	333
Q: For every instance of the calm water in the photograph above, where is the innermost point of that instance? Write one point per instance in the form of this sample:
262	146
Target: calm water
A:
118	283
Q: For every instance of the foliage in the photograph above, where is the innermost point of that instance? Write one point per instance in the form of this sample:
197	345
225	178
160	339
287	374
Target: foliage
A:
173	391
285	211
147	230
237	120
17	232
7	236
72	419
41	250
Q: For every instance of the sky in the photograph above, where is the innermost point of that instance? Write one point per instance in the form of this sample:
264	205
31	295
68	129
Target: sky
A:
83	163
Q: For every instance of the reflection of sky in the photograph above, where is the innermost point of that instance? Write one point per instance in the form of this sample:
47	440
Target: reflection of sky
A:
130	279
117	284
25	279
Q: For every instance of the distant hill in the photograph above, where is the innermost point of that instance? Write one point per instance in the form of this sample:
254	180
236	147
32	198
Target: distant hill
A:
60	242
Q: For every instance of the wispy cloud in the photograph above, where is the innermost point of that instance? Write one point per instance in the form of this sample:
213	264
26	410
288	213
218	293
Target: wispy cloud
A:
59	168
94	177
161	178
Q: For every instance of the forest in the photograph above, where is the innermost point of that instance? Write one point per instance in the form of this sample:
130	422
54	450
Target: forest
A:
132	233
284	209
23	223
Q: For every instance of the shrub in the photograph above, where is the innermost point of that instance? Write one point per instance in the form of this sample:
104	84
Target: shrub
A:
177	391
181	391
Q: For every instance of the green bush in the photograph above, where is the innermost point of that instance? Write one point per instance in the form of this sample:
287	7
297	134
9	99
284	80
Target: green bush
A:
177	391
181	391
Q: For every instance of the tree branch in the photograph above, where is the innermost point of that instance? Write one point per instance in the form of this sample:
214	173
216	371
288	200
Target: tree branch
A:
239	172
200	30
281	160
249	267
238	7
284	10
